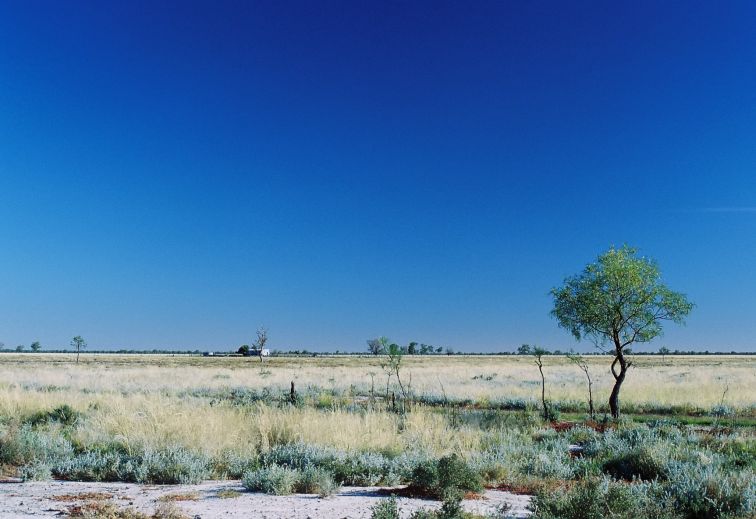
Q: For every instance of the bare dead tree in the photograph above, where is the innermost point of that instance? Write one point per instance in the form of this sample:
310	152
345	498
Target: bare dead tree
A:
582	364
262	338
538	354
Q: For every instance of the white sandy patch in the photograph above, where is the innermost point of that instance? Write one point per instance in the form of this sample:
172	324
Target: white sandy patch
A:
37	499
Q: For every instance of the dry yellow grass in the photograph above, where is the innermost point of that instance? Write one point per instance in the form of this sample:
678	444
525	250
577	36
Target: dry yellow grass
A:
141	401
678	380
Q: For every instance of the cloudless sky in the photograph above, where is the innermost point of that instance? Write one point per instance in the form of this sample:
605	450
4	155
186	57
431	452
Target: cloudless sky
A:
173	175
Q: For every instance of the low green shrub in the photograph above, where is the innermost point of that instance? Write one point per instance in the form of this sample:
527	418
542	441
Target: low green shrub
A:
599	498
24	445
641	463
101	466
450	473
35	471
705	492
314	480
175	466
385	509
273	480
63	414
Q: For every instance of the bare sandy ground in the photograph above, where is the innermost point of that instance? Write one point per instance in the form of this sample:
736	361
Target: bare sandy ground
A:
54	498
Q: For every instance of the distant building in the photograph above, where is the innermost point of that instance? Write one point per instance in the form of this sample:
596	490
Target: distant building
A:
208	354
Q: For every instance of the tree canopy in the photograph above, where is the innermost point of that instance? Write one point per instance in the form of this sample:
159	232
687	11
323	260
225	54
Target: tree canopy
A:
618	300
620	296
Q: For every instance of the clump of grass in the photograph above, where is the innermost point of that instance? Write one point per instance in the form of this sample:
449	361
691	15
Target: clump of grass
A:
180	496
228	494
106	510
168	511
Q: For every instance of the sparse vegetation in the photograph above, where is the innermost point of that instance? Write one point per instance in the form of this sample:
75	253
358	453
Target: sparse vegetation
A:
82	425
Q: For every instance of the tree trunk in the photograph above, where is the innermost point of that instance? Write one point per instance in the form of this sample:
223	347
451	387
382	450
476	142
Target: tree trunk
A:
543	392
619	378
77	356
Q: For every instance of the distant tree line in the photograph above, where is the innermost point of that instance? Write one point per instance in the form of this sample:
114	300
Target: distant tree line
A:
412	348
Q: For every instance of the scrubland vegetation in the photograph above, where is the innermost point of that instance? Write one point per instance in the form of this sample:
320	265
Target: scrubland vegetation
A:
473	420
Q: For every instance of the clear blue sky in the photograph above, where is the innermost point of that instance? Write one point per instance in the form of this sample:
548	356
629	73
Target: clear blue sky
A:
175	175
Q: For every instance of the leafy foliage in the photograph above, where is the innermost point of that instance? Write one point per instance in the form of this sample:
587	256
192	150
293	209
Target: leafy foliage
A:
621	293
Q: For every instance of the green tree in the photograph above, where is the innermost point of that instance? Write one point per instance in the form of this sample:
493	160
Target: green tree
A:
524	349
36	346
412	348
615	302
78	343
20	348
663	351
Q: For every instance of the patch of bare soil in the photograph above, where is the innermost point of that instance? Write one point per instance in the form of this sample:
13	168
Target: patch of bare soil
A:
217	499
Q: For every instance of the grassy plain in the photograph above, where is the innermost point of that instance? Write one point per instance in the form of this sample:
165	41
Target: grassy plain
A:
163	418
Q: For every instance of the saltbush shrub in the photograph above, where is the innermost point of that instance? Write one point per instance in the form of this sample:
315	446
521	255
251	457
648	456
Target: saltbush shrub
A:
450	473
175	466
35	471
314	480
386	509
25	445
598	498
705	492
273	480
641	463
171	466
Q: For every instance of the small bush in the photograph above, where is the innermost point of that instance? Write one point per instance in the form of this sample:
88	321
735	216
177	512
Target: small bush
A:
35	471
63	414
639	463
386	509
101	466
171	466
449	473
175	466
700	492
273	480
599	499
451	508
25	445
316	481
